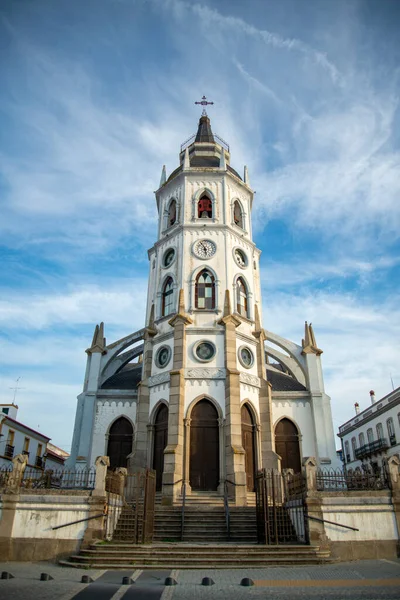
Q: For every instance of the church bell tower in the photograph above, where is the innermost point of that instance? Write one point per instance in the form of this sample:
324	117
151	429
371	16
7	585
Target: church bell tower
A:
204	376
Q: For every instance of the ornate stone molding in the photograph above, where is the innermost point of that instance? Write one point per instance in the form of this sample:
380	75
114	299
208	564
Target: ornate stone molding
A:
250	379
158	379
205	373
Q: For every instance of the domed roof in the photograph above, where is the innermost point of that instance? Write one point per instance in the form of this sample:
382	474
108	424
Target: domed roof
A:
126	378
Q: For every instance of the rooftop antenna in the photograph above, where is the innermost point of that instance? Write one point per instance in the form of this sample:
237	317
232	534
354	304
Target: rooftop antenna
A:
16	388
204	103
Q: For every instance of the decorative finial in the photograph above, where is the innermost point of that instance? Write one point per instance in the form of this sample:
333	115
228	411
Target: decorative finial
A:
163	178
204	103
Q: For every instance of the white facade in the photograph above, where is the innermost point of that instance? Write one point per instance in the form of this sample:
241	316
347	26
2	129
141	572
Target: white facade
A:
17	438
204	246
372	435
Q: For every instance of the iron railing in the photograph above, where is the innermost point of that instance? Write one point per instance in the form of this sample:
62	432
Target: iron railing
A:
280	508
337	480
371	448
217	139
79	479
9	451
183	509
39	462
227	513
5	472
131	518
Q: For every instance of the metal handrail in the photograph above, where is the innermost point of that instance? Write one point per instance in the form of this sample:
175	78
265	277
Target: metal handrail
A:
331	522
183	509
226	507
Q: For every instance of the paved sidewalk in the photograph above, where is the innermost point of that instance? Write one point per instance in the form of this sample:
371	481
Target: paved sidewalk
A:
366	580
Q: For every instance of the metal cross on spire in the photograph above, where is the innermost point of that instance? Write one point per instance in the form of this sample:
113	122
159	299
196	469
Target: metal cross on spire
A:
204	103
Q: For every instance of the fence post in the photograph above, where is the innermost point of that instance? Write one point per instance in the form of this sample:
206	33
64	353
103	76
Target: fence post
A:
313	503
14	481
394	476
95	529
122	474
310	473
102	463
394	482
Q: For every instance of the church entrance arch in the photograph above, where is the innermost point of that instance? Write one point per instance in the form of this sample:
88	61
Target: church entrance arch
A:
120	440
160	442
287	445
249	446
204	447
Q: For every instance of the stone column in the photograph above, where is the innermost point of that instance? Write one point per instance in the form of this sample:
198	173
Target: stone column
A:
235	468
19	463
313	504
394	482
102	463
173	454
122	474
269	458
137	460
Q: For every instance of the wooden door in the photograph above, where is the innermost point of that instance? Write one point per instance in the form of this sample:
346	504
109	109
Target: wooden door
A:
248	443
160	442
204	447
120	441
287	445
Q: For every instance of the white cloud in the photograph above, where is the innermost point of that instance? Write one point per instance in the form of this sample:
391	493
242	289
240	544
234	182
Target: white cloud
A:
121	304
359	340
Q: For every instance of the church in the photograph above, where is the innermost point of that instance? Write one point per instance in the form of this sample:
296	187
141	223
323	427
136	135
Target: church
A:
203	394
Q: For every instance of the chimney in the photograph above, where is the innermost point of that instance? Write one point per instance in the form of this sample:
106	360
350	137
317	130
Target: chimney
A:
372	394
357	407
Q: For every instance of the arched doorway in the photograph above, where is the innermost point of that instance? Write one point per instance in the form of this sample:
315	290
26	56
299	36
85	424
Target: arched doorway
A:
204	447
160	442
248	443
120	440
287	445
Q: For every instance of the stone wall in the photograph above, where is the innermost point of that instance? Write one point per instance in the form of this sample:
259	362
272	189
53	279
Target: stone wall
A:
27	522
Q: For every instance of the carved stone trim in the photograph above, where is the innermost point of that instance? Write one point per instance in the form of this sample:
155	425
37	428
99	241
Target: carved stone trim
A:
250	379
158	379
205	373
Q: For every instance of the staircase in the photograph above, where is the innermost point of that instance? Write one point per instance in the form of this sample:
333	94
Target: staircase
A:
205	542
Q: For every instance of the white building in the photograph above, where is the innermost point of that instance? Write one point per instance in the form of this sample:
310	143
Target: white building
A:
17	438
203	393
372	435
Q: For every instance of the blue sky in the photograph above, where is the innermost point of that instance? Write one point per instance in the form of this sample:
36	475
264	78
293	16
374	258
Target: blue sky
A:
96	96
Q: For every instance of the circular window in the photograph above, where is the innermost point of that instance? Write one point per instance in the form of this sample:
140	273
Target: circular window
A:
204	351
240	258
246	357
163	356
169	257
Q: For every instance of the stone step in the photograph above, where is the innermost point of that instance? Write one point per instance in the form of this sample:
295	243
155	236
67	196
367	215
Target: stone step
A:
188	548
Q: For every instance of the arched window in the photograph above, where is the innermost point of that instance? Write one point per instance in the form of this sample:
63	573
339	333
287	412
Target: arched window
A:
361	439
353	447
370	436
347	452
242	300
379	431
204	208
171	214
237	215
391	432
167	298
205	290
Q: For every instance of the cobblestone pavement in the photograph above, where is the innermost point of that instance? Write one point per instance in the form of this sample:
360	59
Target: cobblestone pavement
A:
366	580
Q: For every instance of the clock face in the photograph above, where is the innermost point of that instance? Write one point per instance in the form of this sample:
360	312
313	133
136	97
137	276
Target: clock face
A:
169	257
204	249
240	258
